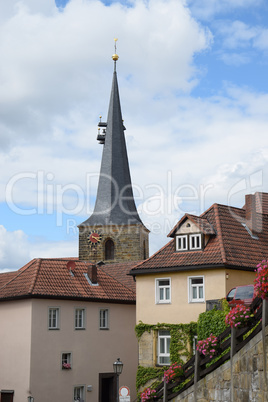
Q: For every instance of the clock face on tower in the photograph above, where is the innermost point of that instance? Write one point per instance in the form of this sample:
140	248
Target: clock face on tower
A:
94	238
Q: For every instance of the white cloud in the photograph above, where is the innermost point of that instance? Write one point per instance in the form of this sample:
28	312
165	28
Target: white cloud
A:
53	64
240	42
55	79
207	9
261	40
235	59
54	249
236	34
16	249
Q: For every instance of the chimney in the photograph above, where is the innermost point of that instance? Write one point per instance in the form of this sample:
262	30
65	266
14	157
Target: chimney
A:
93	274
251	214
71	266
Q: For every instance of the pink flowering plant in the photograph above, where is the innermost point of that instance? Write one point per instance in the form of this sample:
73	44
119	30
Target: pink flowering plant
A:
174	371
208	347
66	366
261	280
148	394
238	317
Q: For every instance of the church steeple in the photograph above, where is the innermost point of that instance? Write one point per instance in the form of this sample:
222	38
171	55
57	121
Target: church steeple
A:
115	211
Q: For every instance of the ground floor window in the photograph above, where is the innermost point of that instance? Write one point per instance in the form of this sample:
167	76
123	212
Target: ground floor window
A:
79	394
6	396
163	347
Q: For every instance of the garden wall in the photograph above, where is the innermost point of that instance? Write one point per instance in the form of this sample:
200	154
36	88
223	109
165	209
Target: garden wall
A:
247	382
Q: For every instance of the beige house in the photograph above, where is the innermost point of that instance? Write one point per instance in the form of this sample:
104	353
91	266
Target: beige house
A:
206	257
63	324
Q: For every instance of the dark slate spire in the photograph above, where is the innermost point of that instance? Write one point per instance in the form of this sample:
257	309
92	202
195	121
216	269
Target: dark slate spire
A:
115	202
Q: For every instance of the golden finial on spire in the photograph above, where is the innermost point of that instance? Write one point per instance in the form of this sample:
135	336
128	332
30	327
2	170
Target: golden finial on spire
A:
115	56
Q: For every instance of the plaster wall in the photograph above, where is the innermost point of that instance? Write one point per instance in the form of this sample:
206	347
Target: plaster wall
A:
93	350
15	351
239	278
180	310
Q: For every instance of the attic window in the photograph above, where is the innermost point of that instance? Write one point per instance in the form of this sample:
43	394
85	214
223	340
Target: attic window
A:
195	241
182	243
189	242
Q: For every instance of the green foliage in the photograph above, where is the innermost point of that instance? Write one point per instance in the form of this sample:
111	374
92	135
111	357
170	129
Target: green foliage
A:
181	337
225	306
141	328
210	322
145	374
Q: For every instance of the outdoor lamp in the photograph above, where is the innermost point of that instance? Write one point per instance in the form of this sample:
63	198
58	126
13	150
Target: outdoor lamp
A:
118	368
30	399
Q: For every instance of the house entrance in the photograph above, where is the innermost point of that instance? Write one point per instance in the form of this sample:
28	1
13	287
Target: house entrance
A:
107	387
6	396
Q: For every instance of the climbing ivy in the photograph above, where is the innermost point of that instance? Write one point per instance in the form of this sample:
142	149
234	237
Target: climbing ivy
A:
181	337
145	374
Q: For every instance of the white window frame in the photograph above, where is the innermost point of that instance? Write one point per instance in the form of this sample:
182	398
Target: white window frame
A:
195	237
165	299
66	357
198	299
79	393
53	322
182	238
166	354
104	318
79	318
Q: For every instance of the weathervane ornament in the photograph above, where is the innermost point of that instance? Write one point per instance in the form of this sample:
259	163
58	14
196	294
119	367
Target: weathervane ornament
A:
115	56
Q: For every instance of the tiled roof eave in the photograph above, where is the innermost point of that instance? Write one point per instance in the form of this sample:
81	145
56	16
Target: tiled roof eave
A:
57	297
158	270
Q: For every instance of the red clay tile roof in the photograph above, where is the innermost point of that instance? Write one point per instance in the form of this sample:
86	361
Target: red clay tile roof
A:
232	245
50	277
120	271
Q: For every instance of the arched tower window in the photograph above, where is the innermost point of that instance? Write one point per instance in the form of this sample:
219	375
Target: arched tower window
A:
144	250
109	250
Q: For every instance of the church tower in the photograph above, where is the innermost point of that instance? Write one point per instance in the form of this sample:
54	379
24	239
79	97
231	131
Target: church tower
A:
114	232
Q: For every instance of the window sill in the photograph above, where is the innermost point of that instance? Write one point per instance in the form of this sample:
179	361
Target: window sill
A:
197	301
80	329
104	329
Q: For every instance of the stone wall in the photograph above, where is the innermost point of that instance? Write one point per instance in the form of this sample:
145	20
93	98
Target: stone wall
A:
147	349
130	243
245	383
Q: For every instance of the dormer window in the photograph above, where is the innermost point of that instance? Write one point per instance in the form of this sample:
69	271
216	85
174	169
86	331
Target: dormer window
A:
182	243
188	242
195	241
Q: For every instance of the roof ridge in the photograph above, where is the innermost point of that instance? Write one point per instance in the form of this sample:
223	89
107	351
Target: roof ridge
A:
219	205
20	272
219	231
39	261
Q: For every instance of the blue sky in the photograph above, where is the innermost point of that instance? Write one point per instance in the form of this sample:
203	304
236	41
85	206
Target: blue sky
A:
194	95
